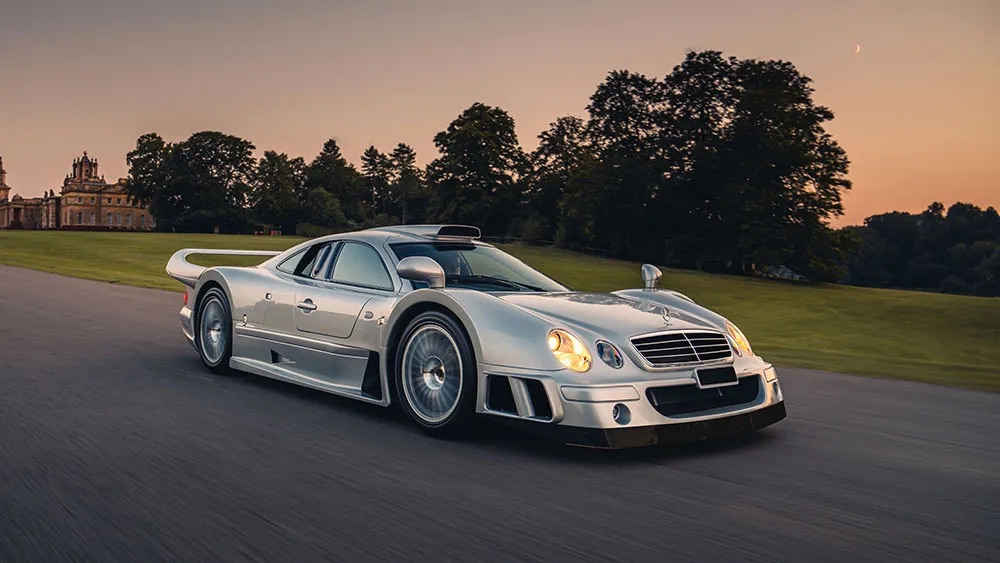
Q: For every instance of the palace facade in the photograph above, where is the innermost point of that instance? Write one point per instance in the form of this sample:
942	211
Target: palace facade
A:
85	202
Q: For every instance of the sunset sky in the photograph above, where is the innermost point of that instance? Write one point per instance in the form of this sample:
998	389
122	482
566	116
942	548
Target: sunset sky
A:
916	110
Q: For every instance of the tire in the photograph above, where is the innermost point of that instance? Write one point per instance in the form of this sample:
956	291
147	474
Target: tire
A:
214	331
435	373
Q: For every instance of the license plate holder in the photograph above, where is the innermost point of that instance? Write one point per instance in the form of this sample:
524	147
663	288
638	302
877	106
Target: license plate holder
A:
709	378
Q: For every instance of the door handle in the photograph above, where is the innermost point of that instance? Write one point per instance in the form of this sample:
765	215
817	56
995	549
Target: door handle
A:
306	305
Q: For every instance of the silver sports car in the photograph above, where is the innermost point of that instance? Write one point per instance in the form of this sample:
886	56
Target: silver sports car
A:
451	328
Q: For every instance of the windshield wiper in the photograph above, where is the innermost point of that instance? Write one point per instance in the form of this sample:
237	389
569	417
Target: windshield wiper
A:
491	279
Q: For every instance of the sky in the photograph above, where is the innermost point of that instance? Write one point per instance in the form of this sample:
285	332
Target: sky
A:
916	110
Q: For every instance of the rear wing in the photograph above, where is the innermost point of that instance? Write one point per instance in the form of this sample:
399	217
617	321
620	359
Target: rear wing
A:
187	273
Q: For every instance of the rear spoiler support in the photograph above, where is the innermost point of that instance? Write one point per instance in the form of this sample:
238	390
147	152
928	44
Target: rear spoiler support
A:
187	273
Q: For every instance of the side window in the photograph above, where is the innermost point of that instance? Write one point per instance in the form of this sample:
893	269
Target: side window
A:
289	265
312	262
359	264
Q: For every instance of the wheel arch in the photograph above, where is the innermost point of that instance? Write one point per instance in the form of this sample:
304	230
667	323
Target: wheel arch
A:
209	279
401	317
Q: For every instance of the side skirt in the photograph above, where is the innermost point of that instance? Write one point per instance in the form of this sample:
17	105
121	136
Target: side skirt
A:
272	371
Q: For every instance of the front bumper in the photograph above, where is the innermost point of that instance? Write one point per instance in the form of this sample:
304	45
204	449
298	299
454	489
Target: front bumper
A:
648	409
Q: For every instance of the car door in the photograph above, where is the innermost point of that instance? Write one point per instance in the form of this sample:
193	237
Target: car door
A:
327	307
324	308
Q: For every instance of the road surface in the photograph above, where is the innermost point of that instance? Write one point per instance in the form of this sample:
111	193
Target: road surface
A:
118	446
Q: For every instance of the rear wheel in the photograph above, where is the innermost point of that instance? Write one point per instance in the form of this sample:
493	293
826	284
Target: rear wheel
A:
214	331
436	375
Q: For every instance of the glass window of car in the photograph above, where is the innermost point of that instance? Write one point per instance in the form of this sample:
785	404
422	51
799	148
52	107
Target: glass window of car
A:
360	264
479	266
310	262
290	264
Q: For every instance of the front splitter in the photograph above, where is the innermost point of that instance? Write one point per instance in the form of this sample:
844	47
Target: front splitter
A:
664	434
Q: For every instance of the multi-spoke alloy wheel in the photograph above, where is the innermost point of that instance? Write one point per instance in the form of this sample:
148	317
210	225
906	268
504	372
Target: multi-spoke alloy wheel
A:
215	327
435	374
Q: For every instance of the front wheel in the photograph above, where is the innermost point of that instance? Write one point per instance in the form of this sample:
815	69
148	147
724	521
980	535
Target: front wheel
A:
436	375
214	331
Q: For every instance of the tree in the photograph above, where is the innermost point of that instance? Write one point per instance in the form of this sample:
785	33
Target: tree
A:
626	115
376	169
407	187
278	183
210	175
148	179
700	98
787	170
331	172
751	176
475	179
322	209
200	184
957	251
562	150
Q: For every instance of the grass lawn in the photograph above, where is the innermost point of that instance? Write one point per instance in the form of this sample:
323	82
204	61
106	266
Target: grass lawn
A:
927	337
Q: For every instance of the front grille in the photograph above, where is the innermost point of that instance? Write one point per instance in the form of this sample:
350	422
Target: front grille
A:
684	399
673	348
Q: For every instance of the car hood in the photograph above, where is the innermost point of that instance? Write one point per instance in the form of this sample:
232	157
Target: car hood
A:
606	314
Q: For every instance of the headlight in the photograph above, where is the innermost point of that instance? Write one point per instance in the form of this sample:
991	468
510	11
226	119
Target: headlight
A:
740	341
607	352
569	350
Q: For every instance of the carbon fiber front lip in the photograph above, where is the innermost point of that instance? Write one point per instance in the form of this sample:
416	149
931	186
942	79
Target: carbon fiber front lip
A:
664	434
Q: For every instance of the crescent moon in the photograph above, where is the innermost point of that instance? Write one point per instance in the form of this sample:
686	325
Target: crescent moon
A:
857	49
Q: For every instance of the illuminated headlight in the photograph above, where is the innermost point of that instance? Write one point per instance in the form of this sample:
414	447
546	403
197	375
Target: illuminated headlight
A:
569	350
607	352
740	342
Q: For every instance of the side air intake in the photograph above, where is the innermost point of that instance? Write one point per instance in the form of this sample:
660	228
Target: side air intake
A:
518	397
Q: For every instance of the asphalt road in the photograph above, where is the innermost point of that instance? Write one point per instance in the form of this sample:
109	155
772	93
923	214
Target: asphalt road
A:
115	445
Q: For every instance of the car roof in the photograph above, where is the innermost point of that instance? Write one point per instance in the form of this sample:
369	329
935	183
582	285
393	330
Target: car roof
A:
411	233
398	233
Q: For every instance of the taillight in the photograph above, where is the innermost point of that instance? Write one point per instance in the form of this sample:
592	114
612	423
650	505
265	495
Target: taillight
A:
185	297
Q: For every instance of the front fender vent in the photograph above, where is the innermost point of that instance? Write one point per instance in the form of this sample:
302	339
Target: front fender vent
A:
520	397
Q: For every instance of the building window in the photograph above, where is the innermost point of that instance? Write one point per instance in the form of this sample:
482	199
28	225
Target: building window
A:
92	200
142	220
118	219
128	219
79	217
109	201
119	201
109	218
79	200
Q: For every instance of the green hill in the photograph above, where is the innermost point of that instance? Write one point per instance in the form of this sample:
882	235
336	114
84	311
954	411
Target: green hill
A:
928	337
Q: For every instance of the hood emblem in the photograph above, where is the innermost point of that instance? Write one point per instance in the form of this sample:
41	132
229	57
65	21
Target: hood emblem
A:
666	315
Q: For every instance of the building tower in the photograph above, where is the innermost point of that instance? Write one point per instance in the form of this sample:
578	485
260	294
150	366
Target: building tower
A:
85	169
4	188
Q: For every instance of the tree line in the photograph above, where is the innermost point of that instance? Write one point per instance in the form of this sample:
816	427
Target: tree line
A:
954	251
723	164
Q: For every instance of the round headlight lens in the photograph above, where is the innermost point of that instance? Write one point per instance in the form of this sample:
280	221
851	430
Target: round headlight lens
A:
569	350
740	341
609	354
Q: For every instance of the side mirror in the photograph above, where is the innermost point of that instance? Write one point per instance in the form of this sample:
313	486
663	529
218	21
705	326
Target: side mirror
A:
650	277
421	268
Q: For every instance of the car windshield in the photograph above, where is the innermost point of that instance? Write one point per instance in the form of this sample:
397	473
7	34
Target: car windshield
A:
479	267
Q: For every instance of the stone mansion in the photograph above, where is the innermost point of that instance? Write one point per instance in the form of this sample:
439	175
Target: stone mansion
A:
85	202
